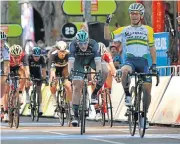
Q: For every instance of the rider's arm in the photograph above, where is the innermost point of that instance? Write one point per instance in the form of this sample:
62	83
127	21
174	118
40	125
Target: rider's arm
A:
51	50
26	65
43	64
6	60
151	45
108	58
6	67
52	68
107	33
97	56
71	58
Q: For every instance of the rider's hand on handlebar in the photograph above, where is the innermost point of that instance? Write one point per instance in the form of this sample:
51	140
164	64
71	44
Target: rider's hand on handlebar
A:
153	68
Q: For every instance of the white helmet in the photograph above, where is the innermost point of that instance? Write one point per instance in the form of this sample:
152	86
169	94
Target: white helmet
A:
16	50
61	45
102	48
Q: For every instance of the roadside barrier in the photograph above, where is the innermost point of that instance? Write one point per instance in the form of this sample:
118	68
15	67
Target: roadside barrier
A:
165	100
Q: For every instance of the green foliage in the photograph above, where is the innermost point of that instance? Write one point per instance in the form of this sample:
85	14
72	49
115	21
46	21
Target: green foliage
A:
14	17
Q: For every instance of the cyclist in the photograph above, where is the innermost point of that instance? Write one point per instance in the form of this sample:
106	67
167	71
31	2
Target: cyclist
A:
37	68
20	66
138	41
106	56
59	67
84	51
4	58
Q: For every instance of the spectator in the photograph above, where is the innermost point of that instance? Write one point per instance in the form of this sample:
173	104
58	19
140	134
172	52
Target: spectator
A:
116	55
169	19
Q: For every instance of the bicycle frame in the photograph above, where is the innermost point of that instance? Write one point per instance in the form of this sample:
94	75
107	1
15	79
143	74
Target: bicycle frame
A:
135	113
34	106
84	98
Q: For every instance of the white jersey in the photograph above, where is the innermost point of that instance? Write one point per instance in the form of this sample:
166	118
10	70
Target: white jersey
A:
4	54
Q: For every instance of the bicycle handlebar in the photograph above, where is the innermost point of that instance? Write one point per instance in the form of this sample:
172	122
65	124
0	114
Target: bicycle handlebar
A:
85	73
147	74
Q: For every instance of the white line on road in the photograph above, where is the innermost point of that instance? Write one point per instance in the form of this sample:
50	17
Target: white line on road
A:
54	132
107	141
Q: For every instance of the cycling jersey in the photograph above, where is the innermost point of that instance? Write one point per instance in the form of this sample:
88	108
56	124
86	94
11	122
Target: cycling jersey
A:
4	54
92	50
23	60
35	67
84	58
135	40
117	58
54	59
107	57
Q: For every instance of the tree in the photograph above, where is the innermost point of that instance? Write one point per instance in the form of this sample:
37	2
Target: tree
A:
4	11
53	18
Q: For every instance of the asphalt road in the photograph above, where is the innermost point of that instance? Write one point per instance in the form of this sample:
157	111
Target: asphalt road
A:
48	131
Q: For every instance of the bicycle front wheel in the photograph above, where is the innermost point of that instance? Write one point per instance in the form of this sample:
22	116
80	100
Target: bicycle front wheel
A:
142	110
10	109
32	105
83	111
60	109
16	112
108	106
132	113
37	107
68	114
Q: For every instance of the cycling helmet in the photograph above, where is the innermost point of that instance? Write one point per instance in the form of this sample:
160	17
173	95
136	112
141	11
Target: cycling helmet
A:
137	7
15	50
102	48
61	45
36	51
3	35
82	36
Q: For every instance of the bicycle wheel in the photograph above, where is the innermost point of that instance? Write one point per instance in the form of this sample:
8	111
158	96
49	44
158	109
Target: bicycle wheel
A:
59	109
68	114
37	107
109	107
83	111
101	106
32	105
16	112
142	110
10	109
132	113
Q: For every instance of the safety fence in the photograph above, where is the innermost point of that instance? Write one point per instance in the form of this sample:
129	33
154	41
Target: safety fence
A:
165	99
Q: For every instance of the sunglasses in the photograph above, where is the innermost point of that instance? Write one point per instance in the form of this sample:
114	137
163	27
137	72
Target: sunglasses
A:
16	57
36	56
135	12
82	43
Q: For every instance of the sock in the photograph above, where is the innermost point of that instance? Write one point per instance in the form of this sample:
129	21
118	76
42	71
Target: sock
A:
75	109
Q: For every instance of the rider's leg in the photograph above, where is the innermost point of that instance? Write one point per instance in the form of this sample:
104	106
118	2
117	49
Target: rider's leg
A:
53	85
38	90
67	85
22	82
27	87
99	84
77	92
126	82
53	89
